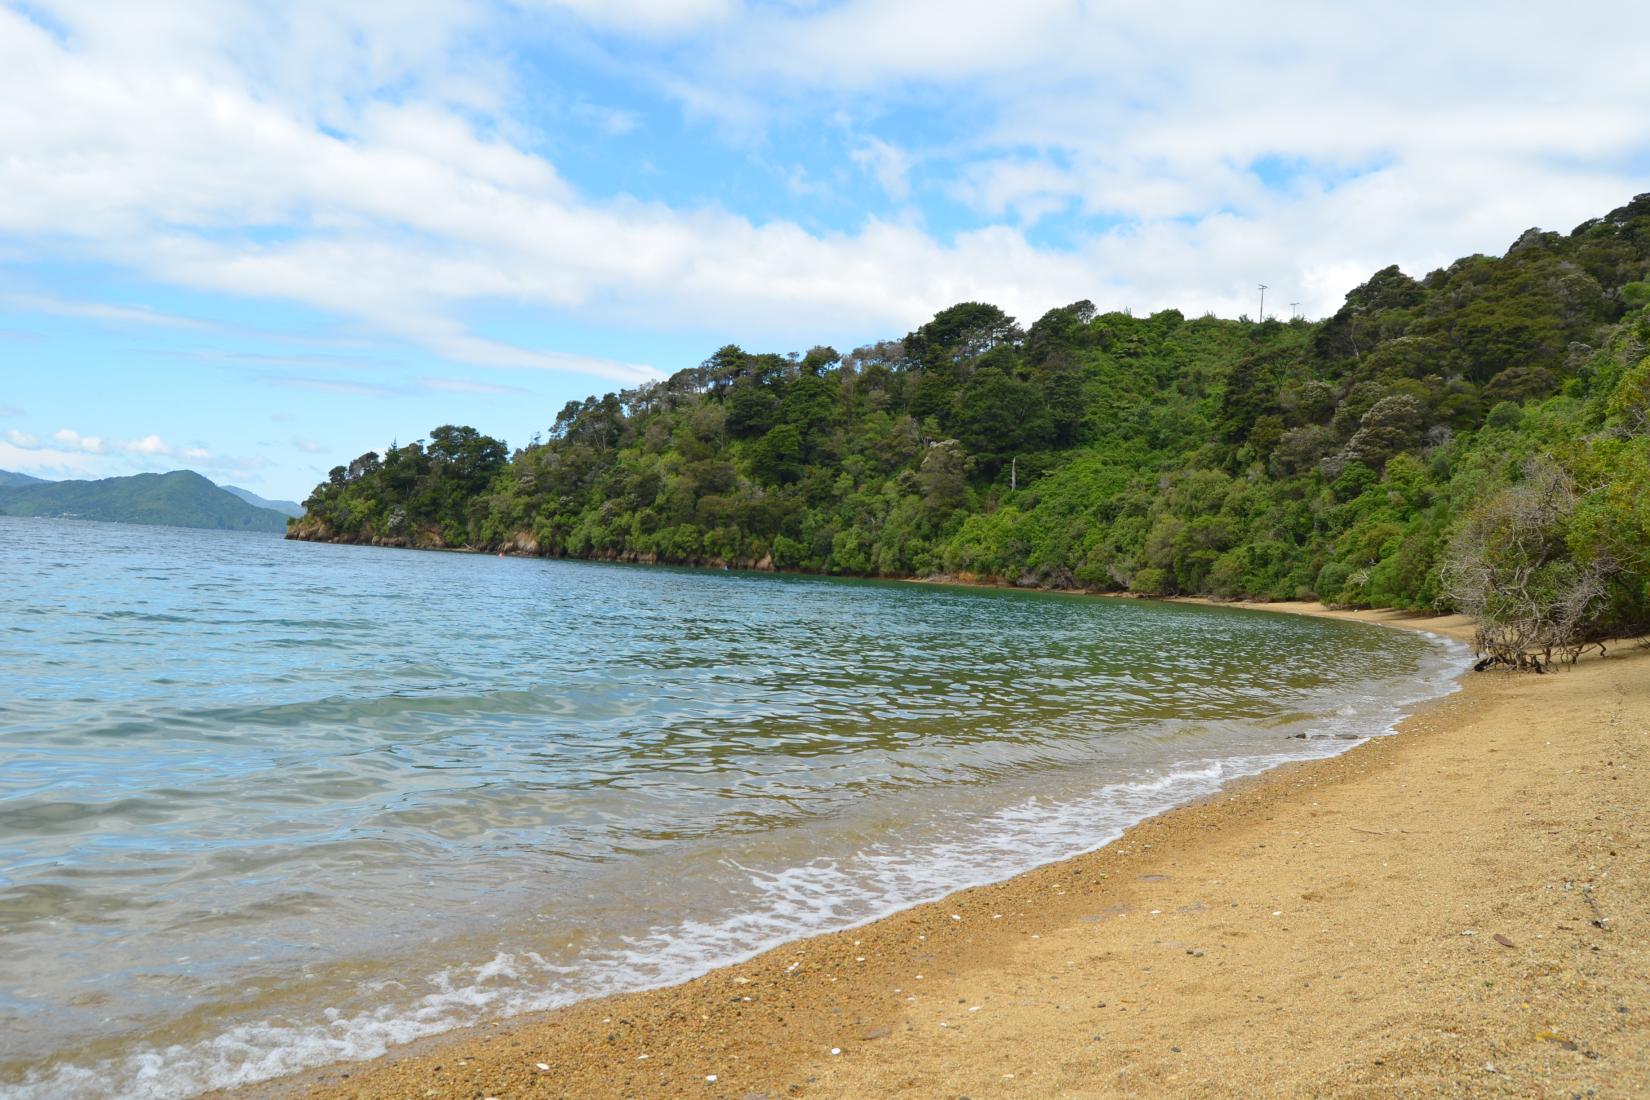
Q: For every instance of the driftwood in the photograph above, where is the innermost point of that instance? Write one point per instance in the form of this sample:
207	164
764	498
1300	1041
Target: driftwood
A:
1510	568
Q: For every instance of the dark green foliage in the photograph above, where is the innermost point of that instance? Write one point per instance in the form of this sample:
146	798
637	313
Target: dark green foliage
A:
181	498
1338	459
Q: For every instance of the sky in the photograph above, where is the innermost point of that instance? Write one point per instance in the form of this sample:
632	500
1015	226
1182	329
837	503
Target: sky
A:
260	239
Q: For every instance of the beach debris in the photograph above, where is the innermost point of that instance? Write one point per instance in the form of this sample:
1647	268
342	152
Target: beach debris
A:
1562	1042
792	967
711	1078
1489	1067
1469	931
836	1050
955	917
543	1066
1599	919
1277	912
1503	940
740	979
1195	952
975	1008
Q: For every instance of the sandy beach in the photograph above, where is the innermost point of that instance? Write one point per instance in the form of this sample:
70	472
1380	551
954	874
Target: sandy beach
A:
1458	910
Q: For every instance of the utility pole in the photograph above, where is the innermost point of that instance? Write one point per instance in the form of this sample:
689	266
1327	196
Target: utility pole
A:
1014	474
1293	312
1263	301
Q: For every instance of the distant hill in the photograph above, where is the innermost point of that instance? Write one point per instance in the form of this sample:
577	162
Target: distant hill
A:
8	479
181	498
285	507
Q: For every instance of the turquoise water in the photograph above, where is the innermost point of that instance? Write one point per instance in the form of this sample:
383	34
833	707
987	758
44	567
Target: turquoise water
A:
268	804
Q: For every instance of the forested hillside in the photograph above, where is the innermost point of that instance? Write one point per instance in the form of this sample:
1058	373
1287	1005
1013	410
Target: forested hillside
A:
181	498
1436	442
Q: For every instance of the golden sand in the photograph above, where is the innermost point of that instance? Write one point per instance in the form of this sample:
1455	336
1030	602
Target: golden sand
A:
1459	910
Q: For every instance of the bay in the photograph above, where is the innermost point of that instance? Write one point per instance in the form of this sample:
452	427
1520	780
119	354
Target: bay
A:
267	804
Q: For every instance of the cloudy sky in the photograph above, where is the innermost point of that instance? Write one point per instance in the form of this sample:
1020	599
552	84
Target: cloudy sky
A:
259	238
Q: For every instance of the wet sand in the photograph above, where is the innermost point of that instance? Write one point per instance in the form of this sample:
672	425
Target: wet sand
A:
1460	910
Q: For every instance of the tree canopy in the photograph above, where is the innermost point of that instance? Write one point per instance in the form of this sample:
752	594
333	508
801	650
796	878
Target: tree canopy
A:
1339	459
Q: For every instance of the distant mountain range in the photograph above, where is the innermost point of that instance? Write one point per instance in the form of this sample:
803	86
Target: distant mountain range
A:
285	507
181	498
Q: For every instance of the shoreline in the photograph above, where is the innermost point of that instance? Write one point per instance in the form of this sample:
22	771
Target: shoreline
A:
968	989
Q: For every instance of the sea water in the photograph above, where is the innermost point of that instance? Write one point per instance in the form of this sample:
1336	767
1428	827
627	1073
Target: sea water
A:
266	804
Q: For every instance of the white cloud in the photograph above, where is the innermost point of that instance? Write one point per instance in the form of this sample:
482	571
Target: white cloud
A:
247	149
74	441
21	439
342	389
9	410
465	386
44	462
612	121
890	166
101	311
308	446
645	17
150	446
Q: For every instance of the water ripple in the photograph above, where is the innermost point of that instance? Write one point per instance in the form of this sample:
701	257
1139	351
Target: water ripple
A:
244	780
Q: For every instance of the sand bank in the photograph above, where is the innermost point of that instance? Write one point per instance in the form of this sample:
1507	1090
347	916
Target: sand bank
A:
1458	910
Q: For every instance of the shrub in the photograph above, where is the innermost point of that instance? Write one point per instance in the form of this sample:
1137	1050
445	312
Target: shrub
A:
1510	567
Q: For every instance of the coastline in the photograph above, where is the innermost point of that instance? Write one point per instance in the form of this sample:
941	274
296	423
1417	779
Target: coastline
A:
1300	932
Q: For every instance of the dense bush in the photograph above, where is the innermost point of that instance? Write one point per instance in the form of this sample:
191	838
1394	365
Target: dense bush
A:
1385	455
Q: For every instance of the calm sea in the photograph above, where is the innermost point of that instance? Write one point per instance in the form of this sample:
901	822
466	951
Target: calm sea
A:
267	804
